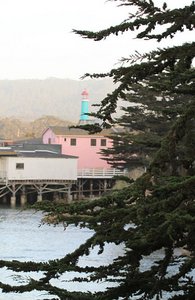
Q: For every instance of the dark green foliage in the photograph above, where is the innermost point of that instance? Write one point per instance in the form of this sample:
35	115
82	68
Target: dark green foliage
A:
164	221
123	178
154	217
148	116
161	81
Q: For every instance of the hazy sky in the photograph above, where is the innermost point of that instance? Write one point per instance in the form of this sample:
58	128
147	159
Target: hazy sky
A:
36	39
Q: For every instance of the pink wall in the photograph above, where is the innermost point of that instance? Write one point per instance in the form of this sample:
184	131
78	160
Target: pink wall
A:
48	134
88	155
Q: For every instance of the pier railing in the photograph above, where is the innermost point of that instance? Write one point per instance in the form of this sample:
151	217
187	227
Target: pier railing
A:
83	173
100	173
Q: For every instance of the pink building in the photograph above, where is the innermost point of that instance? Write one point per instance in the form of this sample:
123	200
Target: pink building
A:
87	147
78	142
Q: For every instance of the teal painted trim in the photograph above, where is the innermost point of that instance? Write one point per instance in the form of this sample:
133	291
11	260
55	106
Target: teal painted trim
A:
84	110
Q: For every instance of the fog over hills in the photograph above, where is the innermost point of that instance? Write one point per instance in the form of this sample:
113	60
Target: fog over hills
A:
30	106
32	98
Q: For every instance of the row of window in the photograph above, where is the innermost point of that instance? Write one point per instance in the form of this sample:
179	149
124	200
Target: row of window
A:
93	142
73	142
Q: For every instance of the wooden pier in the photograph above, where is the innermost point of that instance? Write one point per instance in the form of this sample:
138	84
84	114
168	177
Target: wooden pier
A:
20	192
90	183
94	182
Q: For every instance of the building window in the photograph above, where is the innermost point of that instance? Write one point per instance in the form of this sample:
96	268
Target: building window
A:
64	139
103	142
93	142
19	166
73	142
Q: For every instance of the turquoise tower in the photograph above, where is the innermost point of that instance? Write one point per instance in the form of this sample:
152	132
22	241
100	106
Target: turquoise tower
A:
84	107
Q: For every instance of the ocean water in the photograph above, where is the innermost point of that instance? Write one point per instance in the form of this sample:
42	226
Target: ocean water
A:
24	238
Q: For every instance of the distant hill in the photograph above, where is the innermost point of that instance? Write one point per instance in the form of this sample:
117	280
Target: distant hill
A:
17	129
32	98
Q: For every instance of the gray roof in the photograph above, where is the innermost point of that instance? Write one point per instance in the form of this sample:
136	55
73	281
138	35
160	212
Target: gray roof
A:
60	130
33	147
43	154
8	151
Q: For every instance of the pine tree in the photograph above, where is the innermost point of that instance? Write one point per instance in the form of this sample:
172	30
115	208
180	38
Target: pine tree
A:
159	207
146	119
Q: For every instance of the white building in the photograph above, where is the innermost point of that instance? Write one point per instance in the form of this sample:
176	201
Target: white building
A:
40	169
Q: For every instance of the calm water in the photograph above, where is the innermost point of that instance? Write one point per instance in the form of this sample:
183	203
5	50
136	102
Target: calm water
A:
23	239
